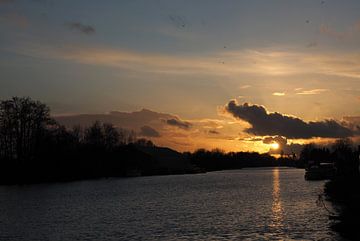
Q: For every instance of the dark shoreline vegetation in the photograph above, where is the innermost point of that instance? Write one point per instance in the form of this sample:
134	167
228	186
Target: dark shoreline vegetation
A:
343	189
344	193
35	148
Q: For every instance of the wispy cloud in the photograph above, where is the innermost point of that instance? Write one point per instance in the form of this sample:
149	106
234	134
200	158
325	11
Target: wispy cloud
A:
329	31
214	132
278	94
81	28
268	62
348	33
179	123
312	92
244	87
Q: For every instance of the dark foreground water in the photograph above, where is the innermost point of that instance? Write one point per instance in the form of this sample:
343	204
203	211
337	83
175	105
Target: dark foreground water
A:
249	204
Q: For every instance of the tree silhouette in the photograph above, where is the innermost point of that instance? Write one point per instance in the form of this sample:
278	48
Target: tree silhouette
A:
313	155
23	122
345	158
111	136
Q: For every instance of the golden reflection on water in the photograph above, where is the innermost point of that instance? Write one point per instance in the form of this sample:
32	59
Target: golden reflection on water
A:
277	210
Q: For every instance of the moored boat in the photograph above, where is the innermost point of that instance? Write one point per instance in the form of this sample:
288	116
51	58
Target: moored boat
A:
323	171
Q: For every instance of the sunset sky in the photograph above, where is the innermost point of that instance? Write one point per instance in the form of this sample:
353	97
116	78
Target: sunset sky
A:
190	74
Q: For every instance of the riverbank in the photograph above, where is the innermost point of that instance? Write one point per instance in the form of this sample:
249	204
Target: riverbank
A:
345	195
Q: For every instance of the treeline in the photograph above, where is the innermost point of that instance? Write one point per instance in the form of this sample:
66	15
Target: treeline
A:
35	148
219	160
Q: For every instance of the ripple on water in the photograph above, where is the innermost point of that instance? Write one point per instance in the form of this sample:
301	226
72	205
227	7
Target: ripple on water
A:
248	204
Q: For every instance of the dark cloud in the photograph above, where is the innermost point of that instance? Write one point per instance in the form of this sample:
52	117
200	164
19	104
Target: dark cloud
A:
252	139
352	122
284	147
179	123
149	132
82	28
214	132
271	124
129	120
272	139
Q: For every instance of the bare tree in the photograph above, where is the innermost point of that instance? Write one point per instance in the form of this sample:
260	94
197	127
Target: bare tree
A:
22	124
111	136
94	135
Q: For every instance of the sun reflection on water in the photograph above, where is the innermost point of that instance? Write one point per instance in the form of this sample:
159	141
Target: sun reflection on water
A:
277	210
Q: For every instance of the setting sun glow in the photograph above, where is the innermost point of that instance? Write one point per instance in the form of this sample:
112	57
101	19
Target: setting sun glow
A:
274	145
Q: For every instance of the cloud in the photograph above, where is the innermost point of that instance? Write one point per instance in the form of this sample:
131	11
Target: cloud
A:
244	87
191	135
197	135
238	63
132	120
312	92
251	139
352	122
264	123
349	33
146	123
284	147
312	44
178	123
275	139
327	30
214	132
149	132
79	27
278	94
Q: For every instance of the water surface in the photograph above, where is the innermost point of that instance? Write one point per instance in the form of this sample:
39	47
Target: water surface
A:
253	204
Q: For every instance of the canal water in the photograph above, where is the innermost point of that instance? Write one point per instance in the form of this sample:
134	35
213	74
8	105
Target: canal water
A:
247	204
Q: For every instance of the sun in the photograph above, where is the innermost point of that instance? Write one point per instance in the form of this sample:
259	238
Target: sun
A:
274	145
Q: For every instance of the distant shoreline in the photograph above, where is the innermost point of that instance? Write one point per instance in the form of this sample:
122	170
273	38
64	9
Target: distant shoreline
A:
69	180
